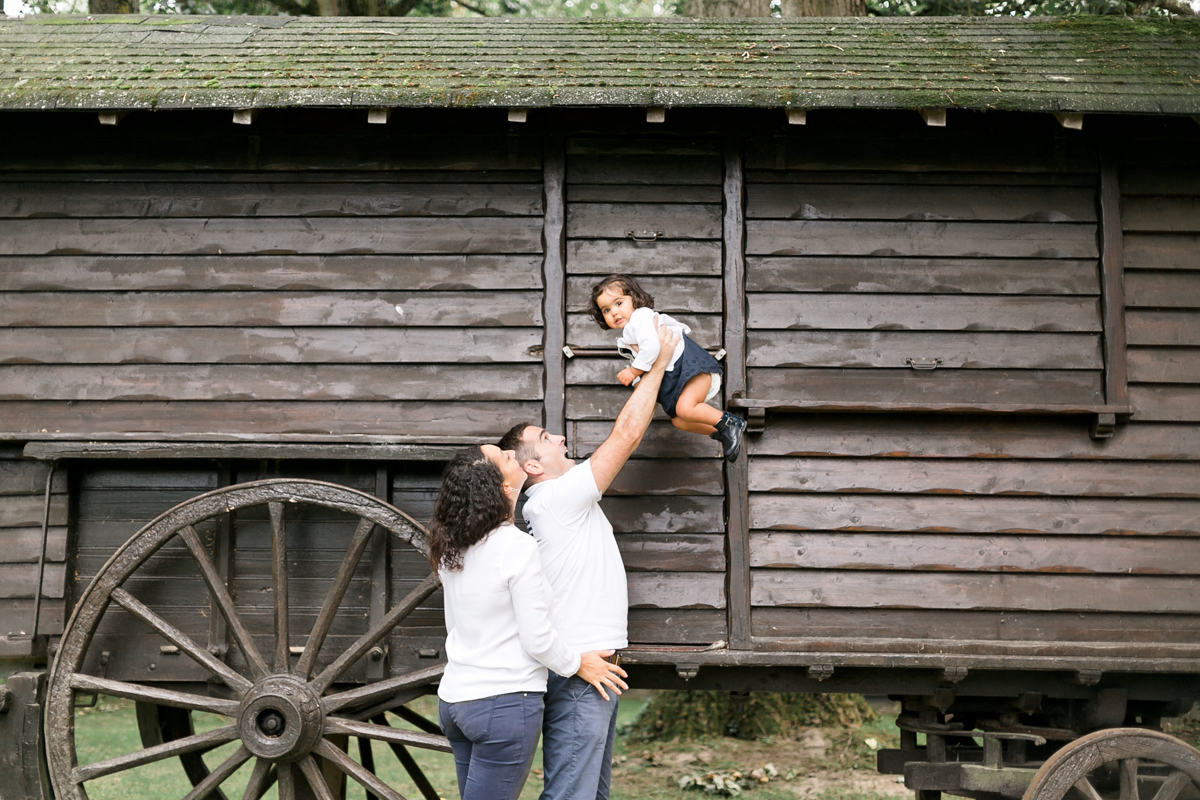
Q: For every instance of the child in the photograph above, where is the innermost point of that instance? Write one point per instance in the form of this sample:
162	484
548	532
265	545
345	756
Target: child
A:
692	377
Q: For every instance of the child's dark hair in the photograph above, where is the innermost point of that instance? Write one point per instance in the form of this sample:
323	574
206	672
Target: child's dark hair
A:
630	286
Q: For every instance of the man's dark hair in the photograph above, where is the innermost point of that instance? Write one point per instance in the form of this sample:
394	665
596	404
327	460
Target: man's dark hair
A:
470	505
513	440
630	286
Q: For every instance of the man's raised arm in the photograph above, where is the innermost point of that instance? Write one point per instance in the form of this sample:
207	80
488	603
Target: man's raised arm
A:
635	417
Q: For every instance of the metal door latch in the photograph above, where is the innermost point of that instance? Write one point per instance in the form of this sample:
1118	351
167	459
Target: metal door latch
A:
923	363
644	236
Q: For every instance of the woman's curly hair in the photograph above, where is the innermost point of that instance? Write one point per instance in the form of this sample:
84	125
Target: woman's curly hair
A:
641	298
470	505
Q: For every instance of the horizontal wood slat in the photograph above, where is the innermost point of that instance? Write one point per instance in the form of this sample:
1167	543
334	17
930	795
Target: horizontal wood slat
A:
630	193
605	256
662	440
984	477
1163	327
664	514
28	511
1162	289
16	620
1048	387
1166	214
676	626
1163	365
678	477
847	177
29	477
21	580
921	312
270	236
879	202
254	345
595	403
1162	251
676	590
614	220
269	272
916	152
595	371
652	170
1179	179
878	274
1153	403
933	590
974	514
256	309
966	553
671	295
25	544
582	331
695	552
975	239
891	349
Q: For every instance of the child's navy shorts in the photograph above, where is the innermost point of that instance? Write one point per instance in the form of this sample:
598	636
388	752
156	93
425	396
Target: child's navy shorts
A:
693	361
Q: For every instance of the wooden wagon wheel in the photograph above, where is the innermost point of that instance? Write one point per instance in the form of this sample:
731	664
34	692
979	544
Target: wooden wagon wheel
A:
1117	764
280	713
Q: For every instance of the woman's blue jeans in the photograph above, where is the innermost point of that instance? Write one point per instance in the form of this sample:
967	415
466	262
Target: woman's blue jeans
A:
493	740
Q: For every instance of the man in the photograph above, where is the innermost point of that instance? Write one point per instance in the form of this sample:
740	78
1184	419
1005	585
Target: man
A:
581	560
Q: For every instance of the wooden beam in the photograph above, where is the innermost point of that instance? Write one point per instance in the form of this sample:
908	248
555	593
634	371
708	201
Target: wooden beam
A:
555	281
112	117
518	114
1072	121
656	114
934	117
796	116
737	473
1112	278
378	116
244	116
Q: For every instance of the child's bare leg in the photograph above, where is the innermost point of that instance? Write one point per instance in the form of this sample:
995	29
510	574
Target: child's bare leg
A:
691	408
693	427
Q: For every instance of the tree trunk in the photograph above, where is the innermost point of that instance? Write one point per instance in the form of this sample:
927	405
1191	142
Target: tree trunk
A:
823	8
113	7
762	8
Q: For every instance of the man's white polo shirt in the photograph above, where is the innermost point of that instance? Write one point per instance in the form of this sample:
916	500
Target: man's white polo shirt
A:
581	560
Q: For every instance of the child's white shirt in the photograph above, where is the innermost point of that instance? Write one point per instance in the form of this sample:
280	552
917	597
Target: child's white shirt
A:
640	331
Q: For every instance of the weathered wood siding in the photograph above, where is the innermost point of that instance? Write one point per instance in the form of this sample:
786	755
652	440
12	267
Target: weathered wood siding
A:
667	505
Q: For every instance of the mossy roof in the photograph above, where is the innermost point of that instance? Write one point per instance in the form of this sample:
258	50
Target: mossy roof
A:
1070	65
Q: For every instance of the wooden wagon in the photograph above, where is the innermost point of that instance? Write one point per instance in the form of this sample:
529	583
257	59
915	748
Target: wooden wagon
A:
260	277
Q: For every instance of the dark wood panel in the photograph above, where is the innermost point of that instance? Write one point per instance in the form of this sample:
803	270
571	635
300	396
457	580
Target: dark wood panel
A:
671	295
21	580
674	477
964	553
920	178
1050	387
917	312
863	202
292	345
973	239
891	349
918	152
1164	365
595	371
25	544
335	421
266	199
920	275
997	626
968	437
1176	180
268	382
694	552
595	403
651	170
655	146
662	440
957	476
1163	327
1153	403
674	589
29	477
1131	594
165	309
16	618
582	331
634	193
974	514
1162	251
274	236
1162	289
267	272
614	220
664	514
605	256
677	626
1161	214
28	511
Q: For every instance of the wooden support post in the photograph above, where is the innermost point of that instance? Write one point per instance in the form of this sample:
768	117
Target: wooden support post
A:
656	114
245	116
934	117
554	242
378	116
736	474
112	117
796	116
381	601
518	114
1112	280
222	556
1072	121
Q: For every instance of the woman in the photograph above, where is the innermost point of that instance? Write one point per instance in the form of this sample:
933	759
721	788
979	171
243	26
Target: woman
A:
499	640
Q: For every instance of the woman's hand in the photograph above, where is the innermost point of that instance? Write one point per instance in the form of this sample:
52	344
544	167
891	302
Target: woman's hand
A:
600	673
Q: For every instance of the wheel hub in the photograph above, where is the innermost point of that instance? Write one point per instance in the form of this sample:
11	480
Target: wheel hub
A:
280	719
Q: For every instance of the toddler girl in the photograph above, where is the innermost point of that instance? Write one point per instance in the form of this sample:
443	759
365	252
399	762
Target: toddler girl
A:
692	377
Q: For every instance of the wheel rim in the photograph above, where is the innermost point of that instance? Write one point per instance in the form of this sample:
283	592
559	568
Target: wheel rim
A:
1110	765
279	713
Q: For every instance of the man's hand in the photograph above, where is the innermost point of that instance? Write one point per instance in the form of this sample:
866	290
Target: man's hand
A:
600	673
628	375
667	340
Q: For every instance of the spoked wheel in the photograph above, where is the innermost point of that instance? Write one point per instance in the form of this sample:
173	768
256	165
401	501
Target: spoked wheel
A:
1119	764
290	711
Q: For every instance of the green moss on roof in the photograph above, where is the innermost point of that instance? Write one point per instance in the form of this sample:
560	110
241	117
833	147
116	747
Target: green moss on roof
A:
1088	64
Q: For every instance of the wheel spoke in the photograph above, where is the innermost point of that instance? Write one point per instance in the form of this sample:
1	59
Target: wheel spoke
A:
413	718
372	636
1129	780
333	600
386	733
220	593
256	787
414	771
1084	787
1172	786
367	758
312	774
188	744
363	776
147	694
218	775
180	639
287	782
279	581
374	691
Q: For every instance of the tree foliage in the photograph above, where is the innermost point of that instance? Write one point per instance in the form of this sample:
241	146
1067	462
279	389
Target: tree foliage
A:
684	716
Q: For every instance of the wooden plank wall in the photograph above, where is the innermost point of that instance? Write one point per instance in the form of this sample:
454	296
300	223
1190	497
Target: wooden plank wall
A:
667	505
22	508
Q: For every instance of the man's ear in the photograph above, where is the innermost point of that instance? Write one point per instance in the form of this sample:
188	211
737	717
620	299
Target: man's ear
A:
533	467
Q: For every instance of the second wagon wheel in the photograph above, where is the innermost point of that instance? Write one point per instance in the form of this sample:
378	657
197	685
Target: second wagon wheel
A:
286	709
1119	764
